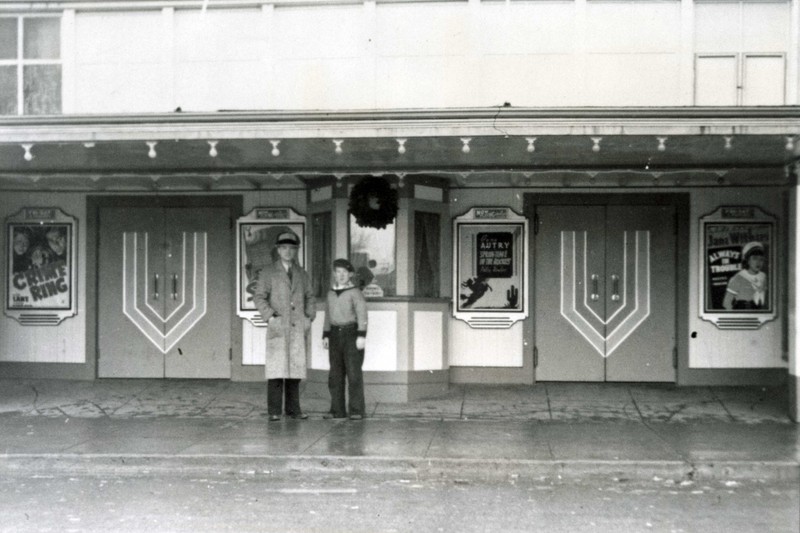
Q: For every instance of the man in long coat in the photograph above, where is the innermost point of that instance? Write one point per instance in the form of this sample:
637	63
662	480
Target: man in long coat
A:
285	299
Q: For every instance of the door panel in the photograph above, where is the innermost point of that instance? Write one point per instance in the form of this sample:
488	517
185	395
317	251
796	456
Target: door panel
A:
200	293
165	301
567	317
605	293
641	338
127	267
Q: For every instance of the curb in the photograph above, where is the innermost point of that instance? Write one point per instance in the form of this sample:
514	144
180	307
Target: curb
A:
412	467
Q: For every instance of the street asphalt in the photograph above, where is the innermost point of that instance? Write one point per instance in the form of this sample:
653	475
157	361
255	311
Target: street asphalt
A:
549	430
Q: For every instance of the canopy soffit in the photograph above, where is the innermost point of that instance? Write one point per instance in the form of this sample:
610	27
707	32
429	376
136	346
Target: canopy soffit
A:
475	147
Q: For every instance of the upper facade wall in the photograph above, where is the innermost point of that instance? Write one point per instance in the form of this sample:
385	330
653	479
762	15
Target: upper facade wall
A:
429	55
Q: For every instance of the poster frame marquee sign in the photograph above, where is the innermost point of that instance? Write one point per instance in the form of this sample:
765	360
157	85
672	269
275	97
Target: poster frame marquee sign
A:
41	266
256	233
739	267
490	259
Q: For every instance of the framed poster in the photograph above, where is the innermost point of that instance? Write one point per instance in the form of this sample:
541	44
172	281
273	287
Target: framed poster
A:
490	255
41	266
738	245
255	249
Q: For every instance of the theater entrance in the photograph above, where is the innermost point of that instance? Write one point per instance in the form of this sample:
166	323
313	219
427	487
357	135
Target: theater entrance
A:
165	292
605	292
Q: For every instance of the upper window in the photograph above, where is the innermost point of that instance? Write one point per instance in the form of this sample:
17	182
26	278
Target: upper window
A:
30	65
731	79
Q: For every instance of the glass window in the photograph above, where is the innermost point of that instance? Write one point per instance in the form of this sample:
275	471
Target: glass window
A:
30	75
372	252
8	38
8	90
322	237
426	254
42	89
42	38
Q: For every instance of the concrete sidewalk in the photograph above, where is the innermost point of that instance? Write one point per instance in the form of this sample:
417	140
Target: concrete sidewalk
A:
548	430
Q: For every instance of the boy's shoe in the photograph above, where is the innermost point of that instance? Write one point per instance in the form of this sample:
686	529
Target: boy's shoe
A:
356	417
274	418
329	416
299	416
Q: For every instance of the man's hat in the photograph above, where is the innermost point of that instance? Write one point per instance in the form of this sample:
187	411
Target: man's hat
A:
343	263
288	237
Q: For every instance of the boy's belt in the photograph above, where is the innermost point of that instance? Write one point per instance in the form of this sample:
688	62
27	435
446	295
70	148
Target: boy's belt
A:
344	327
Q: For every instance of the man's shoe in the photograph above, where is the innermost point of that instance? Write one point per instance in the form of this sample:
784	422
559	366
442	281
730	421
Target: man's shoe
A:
329	416
301	416
356	417
274	418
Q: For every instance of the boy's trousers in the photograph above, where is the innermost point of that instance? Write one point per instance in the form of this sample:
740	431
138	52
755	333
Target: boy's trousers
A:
345	361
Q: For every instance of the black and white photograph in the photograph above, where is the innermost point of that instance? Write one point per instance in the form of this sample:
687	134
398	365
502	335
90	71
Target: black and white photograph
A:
400	266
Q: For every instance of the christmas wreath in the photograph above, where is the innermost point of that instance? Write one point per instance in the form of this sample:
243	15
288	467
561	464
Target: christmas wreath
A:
373	202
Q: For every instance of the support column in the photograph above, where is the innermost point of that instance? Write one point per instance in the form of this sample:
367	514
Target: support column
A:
794	306
69	77
686	74
793	56
167	66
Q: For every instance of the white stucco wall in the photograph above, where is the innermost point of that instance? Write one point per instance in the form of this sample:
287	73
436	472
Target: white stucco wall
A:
715	348
254	340
710	348
409	55
65	343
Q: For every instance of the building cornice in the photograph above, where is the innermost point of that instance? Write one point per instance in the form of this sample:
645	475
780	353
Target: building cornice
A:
16	6
784	120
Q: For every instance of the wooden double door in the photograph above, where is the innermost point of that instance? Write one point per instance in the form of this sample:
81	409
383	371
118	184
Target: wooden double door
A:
605	292
165	292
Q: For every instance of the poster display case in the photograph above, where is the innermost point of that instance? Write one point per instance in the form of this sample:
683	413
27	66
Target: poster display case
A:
738	245
41	265
256	234
490	255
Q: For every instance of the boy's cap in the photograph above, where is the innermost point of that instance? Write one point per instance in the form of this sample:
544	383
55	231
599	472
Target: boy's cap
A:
343	263
288	238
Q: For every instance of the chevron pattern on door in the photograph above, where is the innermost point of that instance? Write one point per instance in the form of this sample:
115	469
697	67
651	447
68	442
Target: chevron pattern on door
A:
575	306
187	289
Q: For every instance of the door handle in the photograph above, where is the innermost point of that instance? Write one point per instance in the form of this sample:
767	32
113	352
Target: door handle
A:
174	286
614	288
155	286
595	288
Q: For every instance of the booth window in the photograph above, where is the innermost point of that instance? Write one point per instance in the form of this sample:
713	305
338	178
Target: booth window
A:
30	65
321	237
427	264
373	254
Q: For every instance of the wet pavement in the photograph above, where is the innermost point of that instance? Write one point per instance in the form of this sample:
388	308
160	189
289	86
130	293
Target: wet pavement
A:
550	429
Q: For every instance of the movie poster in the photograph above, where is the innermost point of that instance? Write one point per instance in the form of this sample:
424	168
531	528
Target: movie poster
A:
40	264
737	257
490	252
257	233
489	276
738	274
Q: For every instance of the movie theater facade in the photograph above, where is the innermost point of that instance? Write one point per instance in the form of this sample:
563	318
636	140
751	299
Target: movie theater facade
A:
530	191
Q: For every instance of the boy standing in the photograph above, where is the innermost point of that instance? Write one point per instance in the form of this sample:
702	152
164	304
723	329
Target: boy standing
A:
344	335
